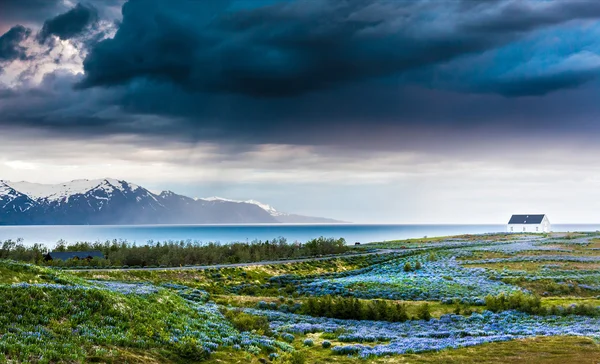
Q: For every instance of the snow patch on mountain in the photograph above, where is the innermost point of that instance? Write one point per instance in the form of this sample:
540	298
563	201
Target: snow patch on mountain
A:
268	208
6	190
60	191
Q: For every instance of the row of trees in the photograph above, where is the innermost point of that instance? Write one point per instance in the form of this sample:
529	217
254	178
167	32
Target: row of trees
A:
15	250
532	304
176	253
355	309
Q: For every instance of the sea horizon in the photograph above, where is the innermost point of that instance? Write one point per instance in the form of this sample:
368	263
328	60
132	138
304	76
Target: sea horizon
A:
229	233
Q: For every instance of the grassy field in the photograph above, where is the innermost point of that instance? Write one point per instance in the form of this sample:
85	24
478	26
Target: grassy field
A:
546	350
445	292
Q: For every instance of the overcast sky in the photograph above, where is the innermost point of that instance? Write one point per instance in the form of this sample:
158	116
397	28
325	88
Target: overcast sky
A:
391	111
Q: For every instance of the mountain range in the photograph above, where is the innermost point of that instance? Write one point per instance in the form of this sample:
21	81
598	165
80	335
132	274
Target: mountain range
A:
115	202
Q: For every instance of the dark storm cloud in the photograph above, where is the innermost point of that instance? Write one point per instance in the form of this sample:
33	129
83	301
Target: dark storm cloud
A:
423	120
70	24
359	73
541	85
10	44
295	47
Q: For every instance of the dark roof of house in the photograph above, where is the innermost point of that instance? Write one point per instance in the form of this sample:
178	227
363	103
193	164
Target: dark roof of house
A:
526	219
79	255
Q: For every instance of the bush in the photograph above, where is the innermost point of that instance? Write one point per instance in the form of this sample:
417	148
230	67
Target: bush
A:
288	337
308	342
407	267
423	312
246	322
457	309
296	357
515	301
418	265
353	308
326	344
190	349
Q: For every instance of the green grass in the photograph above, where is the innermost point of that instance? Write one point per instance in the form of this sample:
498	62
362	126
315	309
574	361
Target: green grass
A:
46	324
409	243
539	350
219	281
566	301
72	323
14	272
552	288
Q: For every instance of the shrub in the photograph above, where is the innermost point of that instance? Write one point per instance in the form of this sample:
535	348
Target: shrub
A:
423	312
353	308
296	357
308	342
407	267
457	309
515	301
326	344
346	350
417	265
246	322
189	349
288	337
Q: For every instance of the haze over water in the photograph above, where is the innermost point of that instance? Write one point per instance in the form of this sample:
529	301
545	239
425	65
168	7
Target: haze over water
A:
49	235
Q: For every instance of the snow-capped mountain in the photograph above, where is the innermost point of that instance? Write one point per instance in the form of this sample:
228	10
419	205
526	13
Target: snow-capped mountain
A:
111	201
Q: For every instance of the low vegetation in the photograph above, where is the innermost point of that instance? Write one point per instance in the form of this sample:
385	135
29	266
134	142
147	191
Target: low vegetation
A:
464	299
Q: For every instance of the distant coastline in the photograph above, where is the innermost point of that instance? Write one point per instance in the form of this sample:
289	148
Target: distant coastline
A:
227	233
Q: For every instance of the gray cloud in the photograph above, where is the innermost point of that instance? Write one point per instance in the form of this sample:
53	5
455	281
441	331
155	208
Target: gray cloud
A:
70	24
35	12
28	11
10	44
524	16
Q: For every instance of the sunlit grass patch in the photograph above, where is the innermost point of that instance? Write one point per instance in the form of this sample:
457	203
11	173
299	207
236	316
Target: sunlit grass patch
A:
566	301
539	350
515	266
546	350
15	272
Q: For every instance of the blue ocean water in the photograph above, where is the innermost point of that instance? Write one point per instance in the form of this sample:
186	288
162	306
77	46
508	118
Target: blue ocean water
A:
49	235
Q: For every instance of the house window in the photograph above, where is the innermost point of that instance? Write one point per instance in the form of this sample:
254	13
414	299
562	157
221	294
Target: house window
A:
537	228
512	228
523	228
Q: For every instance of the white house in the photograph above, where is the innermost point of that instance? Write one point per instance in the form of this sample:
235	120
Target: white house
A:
529	224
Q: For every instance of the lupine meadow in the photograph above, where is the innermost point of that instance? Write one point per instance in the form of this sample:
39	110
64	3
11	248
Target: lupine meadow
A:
465	299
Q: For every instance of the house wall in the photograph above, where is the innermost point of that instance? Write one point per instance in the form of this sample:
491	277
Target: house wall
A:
544	227
546	224
525	228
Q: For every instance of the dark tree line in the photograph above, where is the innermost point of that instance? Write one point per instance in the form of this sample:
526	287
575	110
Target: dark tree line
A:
176	253
355	309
